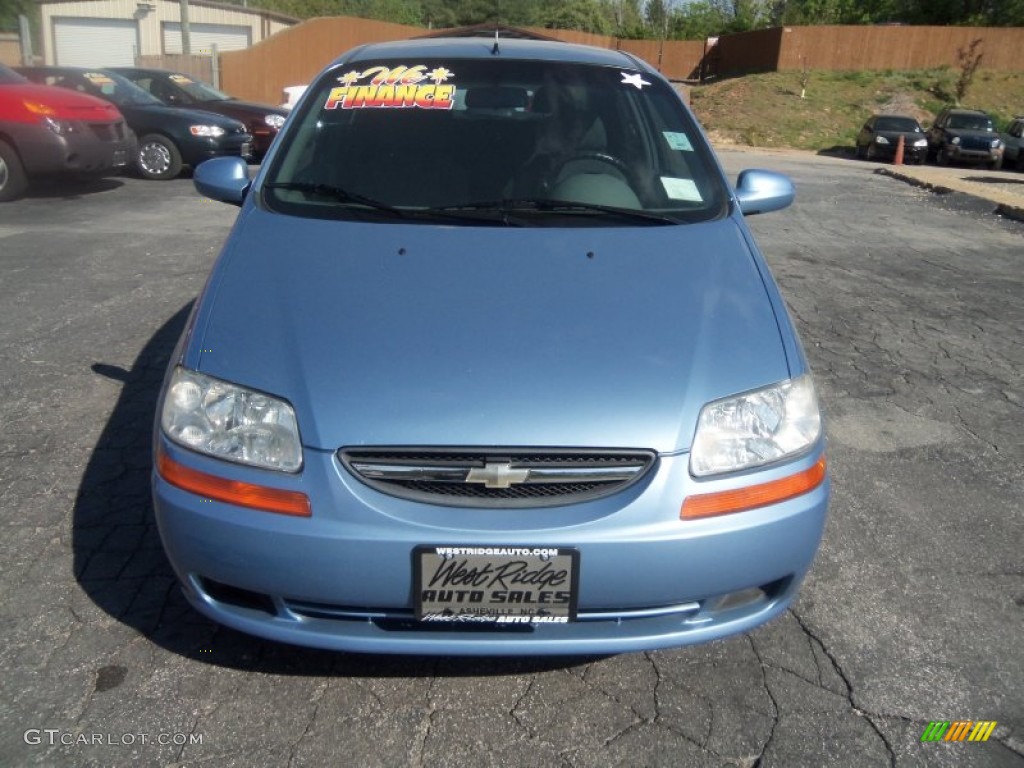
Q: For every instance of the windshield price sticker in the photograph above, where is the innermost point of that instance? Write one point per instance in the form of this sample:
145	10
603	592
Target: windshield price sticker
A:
502	585
399	87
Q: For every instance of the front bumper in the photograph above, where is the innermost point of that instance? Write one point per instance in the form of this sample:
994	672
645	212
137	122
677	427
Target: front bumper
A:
44	153
198	150
910	153
342	578
959	154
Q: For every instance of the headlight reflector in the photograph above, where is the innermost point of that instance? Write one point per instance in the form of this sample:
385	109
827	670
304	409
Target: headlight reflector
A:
881	140
210	131
921	143
230	422
274	121
756	428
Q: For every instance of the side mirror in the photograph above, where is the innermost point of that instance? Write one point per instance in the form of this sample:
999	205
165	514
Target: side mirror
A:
223	178
762	192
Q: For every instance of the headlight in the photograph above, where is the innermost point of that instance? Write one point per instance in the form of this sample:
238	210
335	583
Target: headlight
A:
210	131
955	140
60	127
274	121
230	422
921	143
881	140
756	428
996	143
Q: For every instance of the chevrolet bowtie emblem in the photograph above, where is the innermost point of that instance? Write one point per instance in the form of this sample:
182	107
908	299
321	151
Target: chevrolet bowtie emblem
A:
497	475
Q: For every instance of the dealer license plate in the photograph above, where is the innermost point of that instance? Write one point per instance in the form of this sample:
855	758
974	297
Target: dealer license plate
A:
496	584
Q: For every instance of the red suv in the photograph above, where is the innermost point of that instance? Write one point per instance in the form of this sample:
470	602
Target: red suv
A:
46	131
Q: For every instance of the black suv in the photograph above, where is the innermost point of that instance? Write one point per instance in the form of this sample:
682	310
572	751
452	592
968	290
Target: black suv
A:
965	136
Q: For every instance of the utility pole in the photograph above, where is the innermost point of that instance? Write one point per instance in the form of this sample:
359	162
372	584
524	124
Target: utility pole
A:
186	33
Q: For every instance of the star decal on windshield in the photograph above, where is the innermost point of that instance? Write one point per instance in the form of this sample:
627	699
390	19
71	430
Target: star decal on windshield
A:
635	80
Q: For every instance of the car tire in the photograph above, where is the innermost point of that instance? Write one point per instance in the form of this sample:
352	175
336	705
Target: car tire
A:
859	151
13	181
943	157
1020	160
869	152
996	164
158	158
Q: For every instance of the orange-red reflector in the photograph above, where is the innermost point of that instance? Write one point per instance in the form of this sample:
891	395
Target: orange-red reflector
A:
740	499
233	491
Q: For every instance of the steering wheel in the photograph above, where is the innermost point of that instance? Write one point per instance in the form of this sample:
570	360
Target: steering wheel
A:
601	157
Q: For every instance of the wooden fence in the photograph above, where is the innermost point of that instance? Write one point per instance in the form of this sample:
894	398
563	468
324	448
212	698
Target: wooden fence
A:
295	55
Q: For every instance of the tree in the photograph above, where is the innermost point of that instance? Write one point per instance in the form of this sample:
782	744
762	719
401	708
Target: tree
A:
11	9
968	59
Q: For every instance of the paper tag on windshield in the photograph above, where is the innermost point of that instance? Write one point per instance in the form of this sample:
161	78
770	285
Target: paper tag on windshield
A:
678	140
681	189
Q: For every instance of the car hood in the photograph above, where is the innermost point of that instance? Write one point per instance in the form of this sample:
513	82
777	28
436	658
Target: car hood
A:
243	110
178	116
964	133
69	105
443	335
909	137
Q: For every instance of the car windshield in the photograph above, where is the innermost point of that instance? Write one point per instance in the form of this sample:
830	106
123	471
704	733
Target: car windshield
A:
970	123
10	77
106	85
502	141
907	124
197	89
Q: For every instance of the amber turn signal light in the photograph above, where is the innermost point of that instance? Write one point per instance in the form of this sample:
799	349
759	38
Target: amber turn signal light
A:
233	491
753	496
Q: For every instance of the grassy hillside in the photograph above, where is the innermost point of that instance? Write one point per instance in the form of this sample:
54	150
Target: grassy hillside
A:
766	110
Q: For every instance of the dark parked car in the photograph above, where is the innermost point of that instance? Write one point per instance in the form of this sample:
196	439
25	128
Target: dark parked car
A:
965	136
1013	144
180	90
881	134
48	131
169	138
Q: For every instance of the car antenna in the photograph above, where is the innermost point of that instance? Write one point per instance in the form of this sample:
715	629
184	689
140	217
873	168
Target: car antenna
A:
494	50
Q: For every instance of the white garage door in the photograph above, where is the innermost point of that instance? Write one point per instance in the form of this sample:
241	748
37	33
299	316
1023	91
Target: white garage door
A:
204	36
95	42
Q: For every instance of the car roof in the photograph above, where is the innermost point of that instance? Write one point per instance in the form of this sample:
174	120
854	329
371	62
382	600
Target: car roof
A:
144	70
483	48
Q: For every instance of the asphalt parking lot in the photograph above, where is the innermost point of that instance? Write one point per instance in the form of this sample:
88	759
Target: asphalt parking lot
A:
909	306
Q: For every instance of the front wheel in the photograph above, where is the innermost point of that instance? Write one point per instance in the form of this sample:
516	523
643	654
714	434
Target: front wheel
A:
13	181
158	158
943	157
996	164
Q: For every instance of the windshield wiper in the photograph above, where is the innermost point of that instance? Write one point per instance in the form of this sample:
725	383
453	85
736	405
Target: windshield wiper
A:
336	193
545	205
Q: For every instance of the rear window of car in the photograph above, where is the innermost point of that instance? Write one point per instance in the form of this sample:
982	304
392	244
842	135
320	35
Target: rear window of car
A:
415	140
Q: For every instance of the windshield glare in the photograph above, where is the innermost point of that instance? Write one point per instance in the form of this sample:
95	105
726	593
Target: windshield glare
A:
198	90
106	85
469	135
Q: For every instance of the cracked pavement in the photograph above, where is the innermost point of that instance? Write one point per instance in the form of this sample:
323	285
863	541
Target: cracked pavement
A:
910	308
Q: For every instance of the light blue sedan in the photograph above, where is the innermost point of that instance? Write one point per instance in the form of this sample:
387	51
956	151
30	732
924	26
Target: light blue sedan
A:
490	364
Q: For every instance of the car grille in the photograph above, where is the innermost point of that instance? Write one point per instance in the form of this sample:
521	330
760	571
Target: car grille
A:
976	143
496	477
108	131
